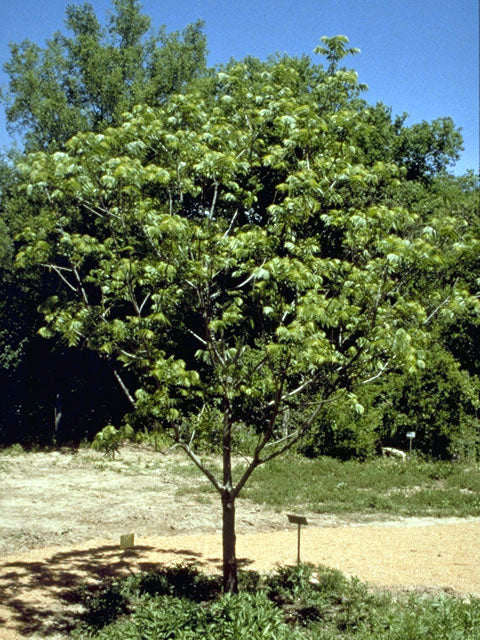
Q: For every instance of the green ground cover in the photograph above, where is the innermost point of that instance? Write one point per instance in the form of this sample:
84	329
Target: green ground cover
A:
325	485
299	603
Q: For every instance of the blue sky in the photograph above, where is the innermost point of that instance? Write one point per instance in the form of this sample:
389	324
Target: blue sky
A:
418	56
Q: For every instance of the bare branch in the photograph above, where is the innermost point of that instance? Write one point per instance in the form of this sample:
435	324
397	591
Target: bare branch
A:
198	462
250	277
289	436
204	342
230	226
145	301
377	375
437	309
58	271
297	390
214	200
96	213
105	211
80	285
122	384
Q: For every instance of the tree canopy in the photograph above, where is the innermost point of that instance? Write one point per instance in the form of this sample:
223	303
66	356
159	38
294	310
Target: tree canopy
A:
83	79
86	80
243	256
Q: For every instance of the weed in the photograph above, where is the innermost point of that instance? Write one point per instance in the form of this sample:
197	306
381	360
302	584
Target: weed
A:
12	450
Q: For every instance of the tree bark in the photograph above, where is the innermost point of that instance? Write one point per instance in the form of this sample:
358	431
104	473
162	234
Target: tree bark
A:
230	577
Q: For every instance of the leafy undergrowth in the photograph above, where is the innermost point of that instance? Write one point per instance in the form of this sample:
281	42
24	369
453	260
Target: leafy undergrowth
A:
304	602
326	485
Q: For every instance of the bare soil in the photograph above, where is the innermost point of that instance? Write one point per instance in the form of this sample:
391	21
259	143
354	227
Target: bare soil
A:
62	515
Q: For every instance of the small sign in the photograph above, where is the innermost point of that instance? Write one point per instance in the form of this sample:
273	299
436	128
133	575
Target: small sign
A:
127	541
411	434
296	519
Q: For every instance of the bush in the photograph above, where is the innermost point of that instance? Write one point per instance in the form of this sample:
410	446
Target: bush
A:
295	603
105	605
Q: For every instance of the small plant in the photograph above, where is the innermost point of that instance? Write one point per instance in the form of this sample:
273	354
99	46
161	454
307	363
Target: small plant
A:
293	603
181	581
104	605
109	439
13	450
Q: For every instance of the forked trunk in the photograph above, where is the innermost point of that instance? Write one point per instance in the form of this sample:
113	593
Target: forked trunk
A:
230	578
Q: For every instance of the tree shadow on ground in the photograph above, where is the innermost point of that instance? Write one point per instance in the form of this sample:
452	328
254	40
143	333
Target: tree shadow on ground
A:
42	597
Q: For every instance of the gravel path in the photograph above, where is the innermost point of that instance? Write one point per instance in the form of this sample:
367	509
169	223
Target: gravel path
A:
427	554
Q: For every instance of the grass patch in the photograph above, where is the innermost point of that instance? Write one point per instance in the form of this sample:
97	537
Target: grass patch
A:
12	450
326	485
293	603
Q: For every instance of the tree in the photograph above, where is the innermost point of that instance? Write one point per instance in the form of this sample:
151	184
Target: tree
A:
86	81
439	403
33	371
83	79
423	150
215	248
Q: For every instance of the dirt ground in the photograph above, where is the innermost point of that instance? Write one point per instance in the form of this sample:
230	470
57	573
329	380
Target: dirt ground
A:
62	515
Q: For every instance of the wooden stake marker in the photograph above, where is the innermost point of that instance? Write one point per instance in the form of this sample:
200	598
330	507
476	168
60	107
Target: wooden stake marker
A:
298	520
127	541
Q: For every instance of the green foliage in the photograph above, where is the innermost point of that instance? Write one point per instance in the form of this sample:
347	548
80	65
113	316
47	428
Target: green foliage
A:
82	79
277	286
293	602
423	151
109	439
241	254
13	450
326	485
180	581
104	606
439	403
348	428
86	80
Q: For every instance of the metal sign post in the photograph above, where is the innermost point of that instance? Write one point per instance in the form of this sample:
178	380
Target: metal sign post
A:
298	520
411	435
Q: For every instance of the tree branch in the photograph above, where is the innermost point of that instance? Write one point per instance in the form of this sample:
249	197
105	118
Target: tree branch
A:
121	383
230	226
61	276
437	309
197	461
250	277
80	284
377	375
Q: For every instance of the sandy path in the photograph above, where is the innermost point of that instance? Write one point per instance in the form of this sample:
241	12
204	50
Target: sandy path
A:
36	586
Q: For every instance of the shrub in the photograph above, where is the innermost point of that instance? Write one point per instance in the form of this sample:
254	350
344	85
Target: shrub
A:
295	603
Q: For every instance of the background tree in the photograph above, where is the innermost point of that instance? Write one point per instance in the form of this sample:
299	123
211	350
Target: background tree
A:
229	252
33	371
84	82
83	79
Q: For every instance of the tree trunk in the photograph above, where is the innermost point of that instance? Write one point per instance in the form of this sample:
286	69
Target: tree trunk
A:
230	578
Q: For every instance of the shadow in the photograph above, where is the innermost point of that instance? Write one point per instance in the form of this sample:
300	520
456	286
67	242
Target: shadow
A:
54	606
241	562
